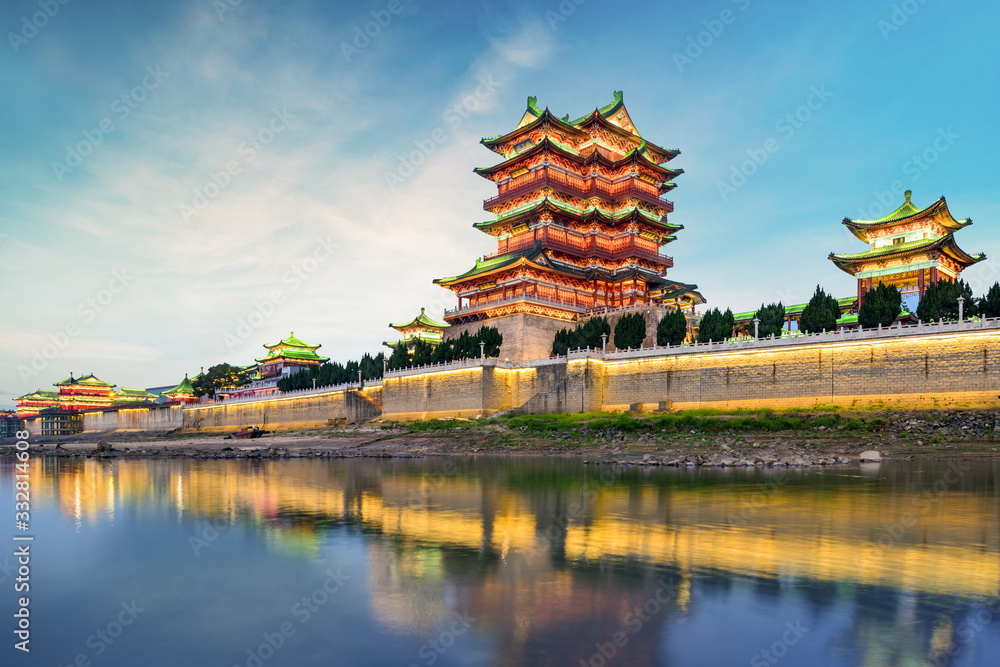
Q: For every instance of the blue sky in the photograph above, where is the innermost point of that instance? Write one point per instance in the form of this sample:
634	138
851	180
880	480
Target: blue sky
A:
181	182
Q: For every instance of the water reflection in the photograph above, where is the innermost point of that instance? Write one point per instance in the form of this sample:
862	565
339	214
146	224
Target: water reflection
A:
561	563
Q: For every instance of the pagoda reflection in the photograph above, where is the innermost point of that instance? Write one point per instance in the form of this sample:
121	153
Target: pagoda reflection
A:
544	559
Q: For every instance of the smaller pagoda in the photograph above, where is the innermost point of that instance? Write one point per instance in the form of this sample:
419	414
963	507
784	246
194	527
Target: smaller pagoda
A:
72	395
420	327
182	393
289	356
910	249
124	396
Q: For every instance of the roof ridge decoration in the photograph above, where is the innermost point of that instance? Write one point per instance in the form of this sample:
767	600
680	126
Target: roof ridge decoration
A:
423	319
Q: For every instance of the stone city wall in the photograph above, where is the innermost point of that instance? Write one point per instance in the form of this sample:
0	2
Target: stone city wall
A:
348	406
934	370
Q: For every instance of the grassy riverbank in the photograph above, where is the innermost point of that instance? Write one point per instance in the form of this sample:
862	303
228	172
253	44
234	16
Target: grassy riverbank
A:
599	436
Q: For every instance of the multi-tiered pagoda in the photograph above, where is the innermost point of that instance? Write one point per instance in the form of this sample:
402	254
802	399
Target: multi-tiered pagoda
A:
421	328
580	220
77	395
910	249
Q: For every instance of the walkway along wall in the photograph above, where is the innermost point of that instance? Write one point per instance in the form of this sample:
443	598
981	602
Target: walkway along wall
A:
294	410
933	366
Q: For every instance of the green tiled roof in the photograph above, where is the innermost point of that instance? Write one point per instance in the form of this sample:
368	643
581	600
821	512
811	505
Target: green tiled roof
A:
904	211
946	243
555	205
301	355
616	103
938	210
292	341
47	394
482	266
421	319
671	289
432	338
133	393
793	310
85	381
184	387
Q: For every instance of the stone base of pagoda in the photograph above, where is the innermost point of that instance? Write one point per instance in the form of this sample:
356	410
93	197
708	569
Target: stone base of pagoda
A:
525	336
651	313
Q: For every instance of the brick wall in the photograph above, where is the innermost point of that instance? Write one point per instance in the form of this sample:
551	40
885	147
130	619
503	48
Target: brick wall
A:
934	370
285	412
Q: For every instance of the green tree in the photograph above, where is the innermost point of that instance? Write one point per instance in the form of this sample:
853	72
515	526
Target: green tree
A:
589	335
465	346
940	301
592	331
444	352
772	319
630	331
400	357
220	376
989	305
422	352
822	312
672	329
493	339
716	326
881	305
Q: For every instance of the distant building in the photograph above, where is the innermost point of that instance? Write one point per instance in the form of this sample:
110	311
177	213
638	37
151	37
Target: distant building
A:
743	322
182	393
289	356
284	358
10	424
420	327
911	248
79	394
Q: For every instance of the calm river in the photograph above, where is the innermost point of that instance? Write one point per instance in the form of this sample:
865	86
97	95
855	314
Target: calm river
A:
500	561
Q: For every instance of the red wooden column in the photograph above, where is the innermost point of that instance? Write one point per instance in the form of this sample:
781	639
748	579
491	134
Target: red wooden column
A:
920	283
861	292
934	275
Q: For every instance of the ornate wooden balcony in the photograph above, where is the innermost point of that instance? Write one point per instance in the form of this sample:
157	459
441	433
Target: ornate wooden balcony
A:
586	245
579	187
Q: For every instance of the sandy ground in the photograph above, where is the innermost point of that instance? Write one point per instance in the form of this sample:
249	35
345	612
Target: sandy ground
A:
403	441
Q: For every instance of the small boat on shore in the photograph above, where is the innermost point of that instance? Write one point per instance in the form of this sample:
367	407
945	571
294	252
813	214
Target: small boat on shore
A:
249	432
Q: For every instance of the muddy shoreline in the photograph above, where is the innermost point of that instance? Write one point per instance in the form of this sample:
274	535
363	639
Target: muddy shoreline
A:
716	440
